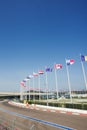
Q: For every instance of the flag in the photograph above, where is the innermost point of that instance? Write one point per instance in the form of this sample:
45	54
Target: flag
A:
24	80
41	72
70	62
30	76
48	69
58	66
35	74
83	58
22	83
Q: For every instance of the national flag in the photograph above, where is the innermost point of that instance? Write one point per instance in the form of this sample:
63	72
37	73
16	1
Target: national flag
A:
26	79
83	58
35	74
22	83
49	69
58	66
41	72
70	62
30	76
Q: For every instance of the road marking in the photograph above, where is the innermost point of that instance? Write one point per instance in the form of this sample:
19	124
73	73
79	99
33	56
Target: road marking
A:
75	113
38	120
62	112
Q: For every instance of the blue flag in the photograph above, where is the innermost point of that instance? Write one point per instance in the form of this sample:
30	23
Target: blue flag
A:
49	69
83	58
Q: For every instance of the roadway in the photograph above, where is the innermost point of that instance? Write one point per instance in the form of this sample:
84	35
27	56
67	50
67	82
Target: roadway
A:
72	121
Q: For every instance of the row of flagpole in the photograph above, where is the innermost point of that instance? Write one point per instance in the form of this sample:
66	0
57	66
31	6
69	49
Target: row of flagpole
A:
56	66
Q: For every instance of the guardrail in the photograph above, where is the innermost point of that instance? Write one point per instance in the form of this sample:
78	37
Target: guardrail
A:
50	109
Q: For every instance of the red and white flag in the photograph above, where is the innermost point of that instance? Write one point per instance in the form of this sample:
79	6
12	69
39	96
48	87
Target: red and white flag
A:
70	62
22	83
58	66
41	72
35	74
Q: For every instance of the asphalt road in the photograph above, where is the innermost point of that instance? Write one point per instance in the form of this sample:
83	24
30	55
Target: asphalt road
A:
73	121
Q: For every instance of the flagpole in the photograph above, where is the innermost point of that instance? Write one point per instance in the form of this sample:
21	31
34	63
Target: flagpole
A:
25	91
29	89
47	88
33	91
84	74
69	82
39	85
21	93
56	83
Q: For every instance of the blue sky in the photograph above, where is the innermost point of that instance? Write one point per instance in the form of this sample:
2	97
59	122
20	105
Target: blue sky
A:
39	33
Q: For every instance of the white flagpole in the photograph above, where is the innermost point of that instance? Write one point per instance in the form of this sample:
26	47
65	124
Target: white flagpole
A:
33	91
69	82
24	91
29	89
21	92
84	74
39	85
56	83
47	88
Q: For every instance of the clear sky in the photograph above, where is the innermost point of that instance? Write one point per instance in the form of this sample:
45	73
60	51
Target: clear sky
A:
39	33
